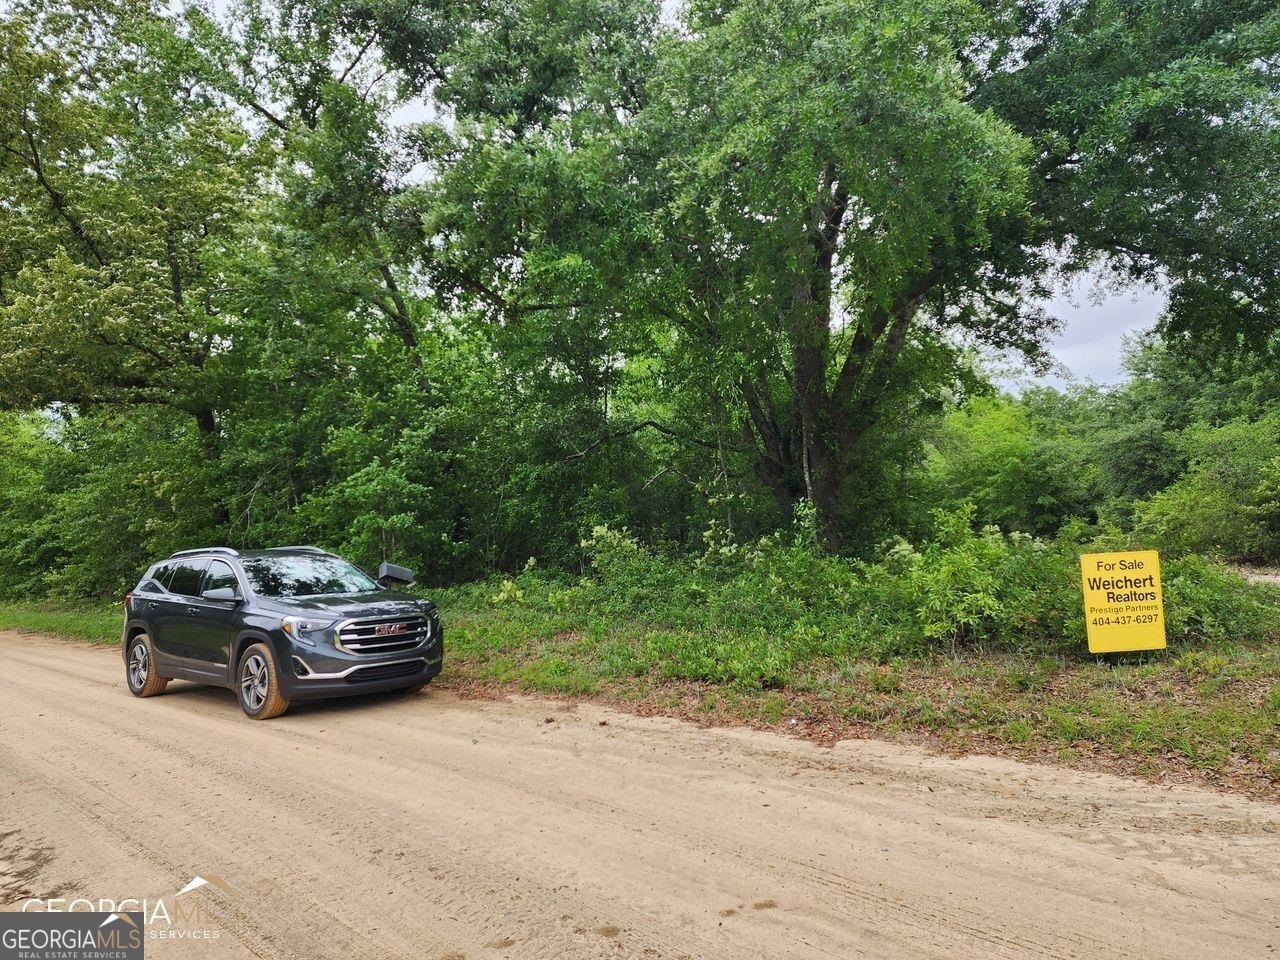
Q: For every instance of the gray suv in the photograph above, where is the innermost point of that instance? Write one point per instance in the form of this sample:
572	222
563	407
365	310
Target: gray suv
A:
290	623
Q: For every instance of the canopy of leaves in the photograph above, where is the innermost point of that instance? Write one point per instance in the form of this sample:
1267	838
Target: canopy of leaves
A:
451	283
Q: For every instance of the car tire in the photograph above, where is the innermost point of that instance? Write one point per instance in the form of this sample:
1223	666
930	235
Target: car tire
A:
140	668
258	683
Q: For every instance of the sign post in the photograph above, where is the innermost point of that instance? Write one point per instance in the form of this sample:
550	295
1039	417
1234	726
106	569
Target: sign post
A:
1123	601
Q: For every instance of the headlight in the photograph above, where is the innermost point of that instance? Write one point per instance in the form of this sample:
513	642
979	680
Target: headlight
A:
304	630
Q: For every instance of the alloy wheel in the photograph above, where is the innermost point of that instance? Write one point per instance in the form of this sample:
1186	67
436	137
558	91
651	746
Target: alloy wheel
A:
253	682
138	665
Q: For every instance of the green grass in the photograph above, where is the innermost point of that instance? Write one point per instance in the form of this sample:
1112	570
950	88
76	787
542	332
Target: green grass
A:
92	624
1211	716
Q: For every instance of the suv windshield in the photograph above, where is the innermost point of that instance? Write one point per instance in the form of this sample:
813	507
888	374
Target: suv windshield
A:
304	576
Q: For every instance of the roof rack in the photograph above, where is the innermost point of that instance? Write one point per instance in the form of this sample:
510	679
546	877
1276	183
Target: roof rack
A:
300	549
190	553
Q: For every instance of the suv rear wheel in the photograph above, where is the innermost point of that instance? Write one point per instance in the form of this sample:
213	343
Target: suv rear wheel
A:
259	683
139	670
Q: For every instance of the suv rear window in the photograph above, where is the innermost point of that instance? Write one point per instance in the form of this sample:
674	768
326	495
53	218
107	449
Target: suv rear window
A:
186	577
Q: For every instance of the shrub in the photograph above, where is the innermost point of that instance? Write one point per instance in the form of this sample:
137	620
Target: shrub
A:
1009	590
758	614
631	579
1206	602
1015	470
1226	502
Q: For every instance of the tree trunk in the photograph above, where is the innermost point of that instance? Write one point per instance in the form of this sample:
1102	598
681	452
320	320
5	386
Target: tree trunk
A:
207	425
826	494
812	452
808	445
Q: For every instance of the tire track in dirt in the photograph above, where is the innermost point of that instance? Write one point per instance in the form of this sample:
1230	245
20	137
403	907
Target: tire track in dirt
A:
436	827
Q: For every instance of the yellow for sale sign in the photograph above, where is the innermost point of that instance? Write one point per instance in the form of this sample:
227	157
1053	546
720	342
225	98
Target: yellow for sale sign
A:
1123	601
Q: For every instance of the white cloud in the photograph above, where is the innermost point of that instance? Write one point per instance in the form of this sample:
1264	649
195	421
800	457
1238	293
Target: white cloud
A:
1096	321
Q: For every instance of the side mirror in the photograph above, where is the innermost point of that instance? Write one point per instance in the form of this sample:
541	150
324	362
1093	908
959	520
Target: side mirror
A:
389	572
226	594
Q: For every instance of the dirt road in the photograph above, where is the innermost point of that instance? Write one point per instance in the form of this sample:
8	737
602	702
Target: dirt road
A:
433	827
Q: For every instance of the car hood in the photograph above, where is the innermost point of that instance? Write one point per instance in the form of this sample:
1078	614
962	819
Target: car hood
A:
375	603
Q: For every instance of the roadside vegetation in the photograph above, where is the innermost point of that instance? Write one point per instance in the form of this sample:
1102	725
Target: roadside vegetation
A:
92	624
971	640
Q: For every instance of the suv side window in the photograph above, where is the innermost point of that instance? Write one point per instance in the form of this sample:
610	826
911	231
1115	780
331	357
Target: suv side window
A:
186	577
220	574
148	583
162	575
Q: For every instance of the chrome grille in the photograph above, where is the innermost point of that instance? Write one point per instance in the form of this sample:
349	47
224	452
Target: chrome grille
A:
389	635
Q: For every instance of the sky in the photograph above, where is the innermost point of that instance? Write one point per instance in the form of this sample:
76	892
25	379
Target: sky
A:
1096	322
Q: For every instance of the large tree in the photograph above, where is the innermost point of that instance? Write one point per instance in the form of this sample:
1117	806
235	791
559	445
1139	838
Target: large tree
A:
827	186
828	190
754	233
120	180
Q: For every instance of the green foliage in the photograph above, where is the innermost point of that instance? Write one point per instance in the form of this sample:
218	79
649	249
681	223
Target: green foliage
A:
1009	590
768	611
1226	502
716	275
1183	456
122	177
96	501
1205	601
1152	124
1017	470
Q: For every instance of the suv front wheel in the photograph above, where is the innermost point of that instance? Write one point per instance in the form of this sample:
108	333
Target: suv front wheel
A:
259	683
140	669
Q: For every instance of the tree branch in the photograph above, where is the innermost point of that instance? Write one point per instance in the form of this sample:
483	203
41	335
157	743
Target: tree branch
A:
59	199
267	114
359	56
634	429
864	341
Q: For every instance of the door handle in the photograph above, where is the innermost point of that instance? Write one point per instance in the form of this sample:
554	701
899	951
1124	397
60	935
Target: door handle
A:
192	611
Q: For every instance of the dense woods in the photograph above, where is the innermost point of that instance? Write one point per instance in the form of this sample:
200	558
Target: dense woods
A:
459	284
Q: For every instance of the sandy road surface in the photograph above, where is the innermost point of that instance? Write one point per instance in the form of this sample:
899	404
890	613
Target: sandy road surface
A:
433	827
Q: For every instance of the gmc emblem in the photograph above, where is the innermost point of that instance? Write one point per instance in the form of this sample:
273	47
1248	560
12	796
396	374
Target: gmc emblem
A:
384	629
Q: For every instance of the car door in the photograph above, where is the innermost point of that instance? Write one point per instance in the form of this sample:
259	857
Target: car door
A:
175	614
211	629
151	596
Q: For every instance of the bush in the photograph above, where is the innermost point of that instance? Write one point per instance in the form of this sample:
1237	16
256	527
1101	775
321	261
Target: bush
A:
1016	471
1227	502
1008	590
755	615
1207	603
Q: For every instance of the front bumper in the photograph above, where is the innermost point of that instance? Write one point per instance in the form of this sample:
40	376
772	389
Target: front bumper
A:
366	678
314	673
